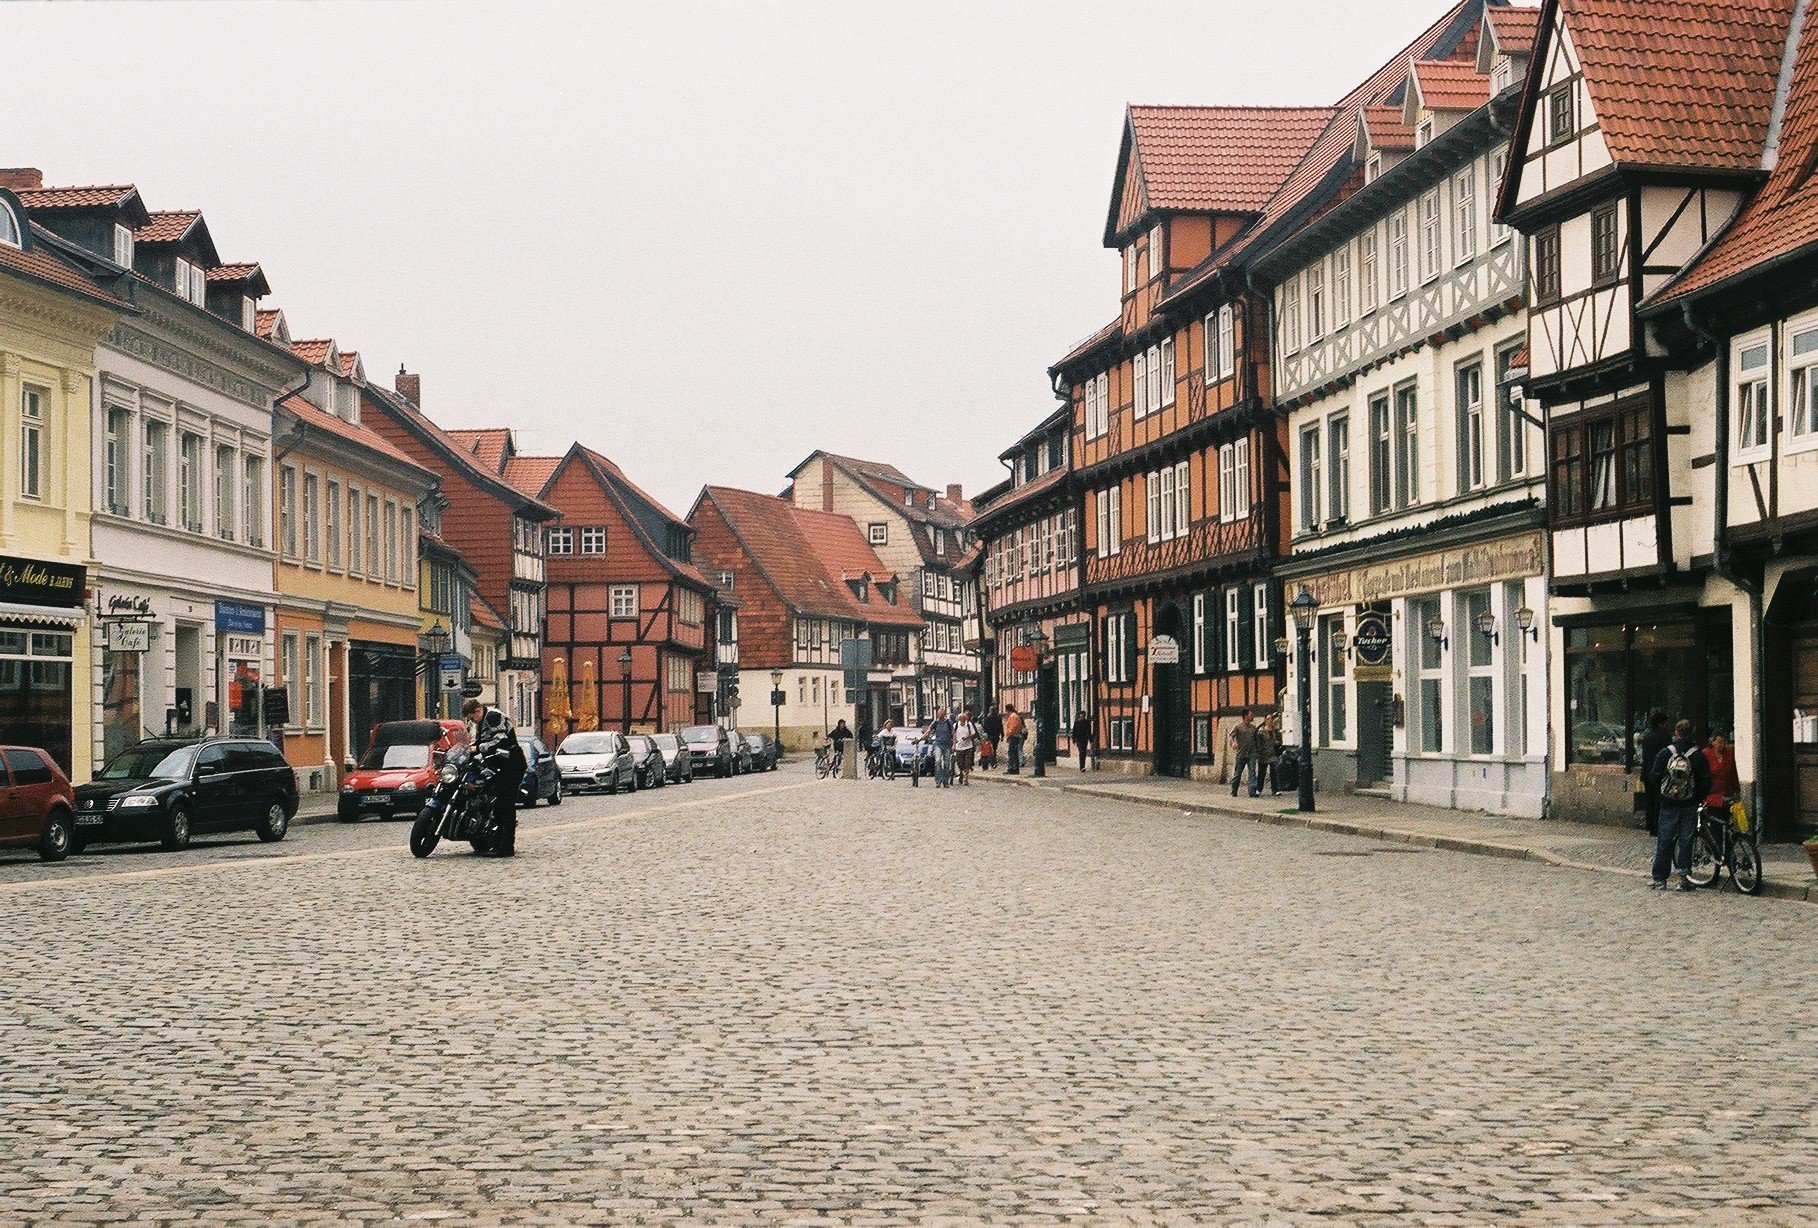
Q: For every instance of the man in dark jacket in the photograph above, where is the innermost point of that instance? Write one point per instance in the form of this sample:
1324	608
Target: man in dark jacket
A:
496	743
1683	777
1082	737
1652	743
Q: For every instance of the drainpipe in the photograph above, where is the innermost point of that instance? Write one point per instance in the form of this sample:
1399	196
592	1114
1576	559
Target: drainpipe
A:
1724	565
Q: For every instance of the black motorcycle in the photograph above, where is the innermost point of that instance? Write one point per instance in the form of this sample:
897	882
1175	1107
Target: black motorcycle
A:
461	807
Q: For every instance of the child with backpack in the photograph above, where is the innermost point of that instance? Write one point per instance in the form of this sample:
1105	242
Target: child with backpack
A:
1683	777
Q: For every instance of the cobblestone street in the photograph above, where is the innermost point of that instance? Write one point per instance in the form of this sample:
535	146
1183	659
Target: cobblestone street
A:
776	999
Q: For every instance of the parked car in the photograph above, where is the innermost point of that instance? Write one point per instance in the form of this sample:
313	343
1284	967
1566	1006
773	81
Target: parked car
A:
764	752
650	771
678	764
596	760
741	753
37	806
542	776
398	769
169	789
905	742
710	749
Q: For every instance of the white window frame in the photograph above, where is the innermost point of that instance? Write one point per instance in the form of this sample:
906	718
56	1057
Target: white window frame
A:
189	481
1753	411
1166	352
1473	467
1464	215
227	481
1311	475
1316	301
155	469
331	522
1183	504
1227	341
1261	642
1233	629
1341	286
1139	377
561	540
1199	633
1338	467
1369	289
312	518
1432	236
123	246
1802	383
289	536
290	664
592	539
117	459
249	314
1499	165
1290	315
878	533
356	539
314	701
252	500
1396	241
180	280
32	467
1157	253
624	601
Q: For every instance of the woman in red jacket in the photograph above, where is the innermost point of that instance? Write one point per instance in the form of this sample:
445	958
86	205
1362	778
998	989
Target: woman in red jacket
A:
1724	782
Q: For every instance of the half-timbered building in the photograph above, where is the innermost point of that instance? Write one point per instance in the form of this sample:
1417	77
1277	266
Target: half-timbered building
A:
923	535
1036	628
1417	487
806	582
1641	133
627	608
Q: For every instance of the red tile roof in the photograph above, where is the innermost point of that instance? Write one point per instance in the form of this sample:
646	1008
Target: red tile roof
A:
415	422
372	441
314	352
806	555
42	265
1783	216
233	272
266	324
1515	29
99	196
167	226
619	474
1450	85
1386	129
488	445
1220	159
350	363
1687	88
531	473
483	614
1024	493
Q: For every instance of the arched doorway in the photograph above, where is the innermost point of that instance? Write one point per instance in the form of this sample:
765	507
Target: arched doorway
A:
1171	701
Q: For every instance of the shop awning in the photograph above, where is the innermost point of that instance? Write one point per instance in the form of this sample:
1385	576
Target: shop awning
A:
61	615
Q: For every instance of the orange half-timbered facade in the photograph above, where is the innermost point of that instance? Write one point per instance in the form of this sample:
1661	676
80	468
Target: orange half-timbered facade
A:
620	584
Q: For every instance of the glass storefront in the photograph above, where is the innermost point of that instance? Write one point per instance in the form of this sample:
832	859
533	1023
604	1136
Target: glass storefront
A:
1619	672
35	699
120	702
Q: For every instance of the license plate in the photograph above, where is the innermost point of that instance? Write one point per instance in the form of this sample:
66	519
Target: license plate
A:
376	799
90	820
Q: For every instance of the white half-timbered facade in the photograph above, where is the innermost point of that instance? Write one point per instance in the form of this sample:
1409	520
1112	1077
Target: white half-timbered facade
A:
1416	474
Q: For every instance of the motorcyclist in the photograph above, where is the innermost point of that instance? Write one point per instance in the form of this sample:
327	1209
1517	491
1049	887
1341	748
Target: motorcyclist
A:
495	744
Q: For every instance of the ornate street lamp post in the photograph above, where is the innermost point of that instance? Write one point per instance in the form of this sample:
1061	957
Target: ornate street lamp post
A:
776	710
625	679
1038	640
1304	606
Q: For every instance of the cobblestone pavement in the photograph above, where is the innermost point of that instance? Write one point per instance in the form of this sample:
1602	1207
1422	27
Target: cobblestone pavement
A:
774	999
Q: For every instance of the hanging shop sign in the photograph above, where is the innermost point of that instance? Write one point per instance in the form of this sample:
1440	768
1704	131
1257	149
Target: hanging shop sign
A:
1373	646
34	582
1164	650
240	617
128	635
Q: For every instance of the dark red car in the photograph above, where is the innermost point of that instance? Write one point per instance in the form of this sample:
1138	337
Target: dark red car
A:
399	769
37	805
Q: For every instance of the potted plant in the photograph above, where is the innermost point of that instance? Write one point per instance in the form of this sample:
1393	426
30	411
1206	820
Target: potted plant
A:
1811	850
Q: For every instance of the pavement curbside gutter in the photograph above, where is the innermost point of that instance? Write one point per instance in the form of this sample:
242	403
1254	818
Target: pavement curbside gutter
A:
1803	891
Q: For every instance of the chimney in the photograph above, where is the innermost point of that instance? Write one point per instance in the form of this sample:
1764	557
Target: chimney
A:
20	178
409	386
953	493
826	484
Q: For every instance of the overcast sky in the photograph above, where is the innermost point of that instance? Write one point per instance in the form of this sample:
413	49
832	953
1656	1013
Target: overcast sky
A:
703	238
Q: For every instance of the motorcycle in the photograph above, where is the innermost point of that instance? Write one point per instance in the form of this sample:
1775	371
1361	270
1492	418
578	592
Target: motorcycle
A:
461	807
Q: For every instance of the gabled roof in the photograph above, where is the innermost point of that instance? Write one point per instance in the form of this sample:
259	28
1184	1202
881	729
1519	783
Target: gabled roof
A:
1512	31
1782	218
168	226
886	483
456	455
640	509
317	420
807	556
97	196
248	275
1210	159
351	366
269	323
1088	344
1450	85
482	613
531	474
490	445
42	263
1021	495
315	352
1383	128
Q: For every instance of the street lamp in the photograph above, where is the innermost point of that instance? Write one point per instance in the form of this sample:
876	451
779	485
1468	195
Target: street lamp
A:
776	709
436	638
625	679
1038	640
1304	606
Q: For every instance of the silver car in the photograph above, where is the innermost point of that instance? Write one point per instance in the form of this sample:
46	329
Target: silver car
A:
596	761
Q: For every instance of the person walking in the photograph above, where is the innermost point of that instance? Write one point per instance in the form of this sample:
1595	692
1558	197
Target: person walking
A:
1684	778
992	726
1652	743
1725	782
1015	734
1244	740
1268	752
1082	737
965	745
940	734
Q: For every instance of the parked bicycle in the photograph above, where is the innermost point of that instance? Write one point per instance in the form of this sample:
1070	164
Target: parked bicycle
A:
1724	840
827	760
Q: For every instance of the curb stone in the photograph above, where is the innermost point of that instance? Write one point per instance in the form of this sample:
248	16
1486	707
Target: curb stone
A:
1805	891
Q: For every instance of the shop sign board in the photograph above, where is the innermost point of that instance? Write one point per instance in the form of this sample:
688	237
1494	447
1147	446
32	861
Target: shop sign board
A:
240	617
1164	650
128	635
1023	659
245	647
34	582
1373	645
1506	558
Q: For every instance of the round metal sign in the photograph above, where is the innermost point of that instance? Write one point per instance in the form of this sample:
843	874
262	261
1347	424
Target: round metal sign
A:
1371	640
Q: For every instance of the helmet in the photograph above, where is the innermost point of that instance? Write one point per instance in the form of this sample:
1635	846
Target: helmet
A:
493	721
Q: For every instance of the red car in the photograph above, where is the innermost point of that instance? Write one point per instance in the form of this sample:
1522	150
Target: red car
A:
37	806
399	769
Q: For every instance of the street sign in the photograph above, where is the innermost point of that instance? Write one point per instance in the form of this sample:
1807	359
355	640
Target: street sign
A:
451	662
128	636
706	680
471	691
777	699
855	659
1164	650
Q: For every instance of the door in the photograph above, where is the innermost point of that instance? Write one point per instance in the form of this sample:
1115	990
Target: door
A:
1375	725
212	797
1805	754
1171	701
1047	711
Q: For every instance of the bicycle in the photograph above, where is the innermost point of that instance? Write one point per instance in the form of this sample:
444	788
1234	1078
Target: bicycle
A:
1723	839
827	760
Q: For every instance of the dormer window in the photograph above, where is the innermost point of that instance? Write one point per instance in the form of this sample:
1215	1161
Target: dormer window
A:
1502	75
940	540
123	246
908	498
860	589
249	314
1423	135
931	501
9	226
1373	168
180	282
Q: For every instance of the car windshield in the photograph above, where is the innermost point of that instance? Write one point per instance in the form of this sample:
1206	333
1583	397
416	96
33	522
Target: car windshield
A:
399	756
666	741
701	733
152	763
641	746
586	744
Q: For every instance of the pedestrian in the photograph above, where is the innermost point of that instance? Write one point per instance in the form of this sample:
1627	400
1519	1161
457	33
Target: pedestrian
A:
1015	733
1652	743
1684	777
839	737
965	745
1268	752
993	727
1725	783
940	735
1244	739
1082	737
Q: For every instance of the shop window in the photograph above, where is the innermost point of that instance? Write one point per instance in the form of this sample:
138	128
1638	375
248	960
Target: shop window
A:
1332	674
1430	712
1202	735
1480	688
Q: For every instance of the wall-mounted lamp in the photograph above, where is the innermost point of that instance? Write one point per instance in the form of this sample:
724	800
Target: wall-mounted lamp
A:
1486	625
1282	646
1524	618
1341	643
1436	631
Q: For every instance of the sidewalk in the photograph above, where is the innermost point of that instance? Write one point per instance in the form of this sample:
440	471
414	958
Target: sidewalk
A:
1787	872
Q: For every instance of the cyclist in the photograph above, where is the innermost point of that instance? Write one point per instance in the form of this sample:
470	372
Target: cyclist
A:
840	736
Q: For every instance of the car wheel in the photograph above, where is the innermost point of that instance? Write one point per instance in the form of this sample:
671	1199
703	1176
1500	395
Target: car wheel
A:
631	785
59	835
612	786
555	799
176	829
275	824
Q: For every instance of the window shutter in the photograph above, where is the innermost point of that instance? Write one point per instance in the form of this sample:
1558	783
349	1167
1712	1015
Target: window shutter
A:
1277	628
1246	632
1130	646
1215	630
